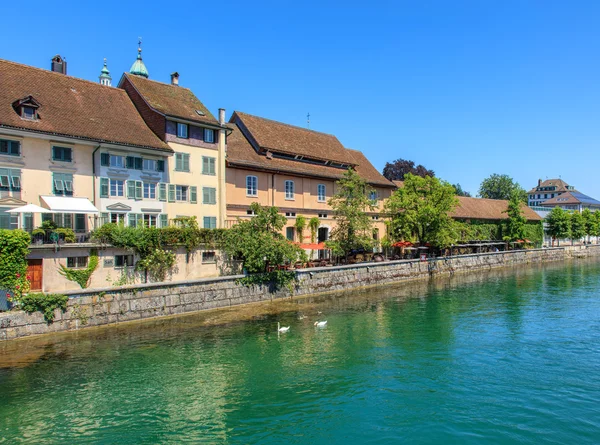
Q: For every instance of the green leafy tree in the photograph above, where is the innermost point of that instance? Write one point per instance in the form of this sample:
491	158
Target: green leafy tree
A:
354	228
258	242
558	224
591	223
300	226
421	210
597	225
460	191
501	187
577	226
515	225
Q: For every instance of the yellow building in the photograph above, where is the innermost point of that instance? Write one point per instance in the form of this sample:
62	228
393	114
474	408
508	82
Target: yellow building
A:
196	171
294	169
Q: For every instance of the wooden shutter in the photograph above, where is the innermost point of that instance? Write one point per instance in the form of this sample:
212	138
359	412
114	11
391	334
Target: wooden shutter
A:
193	194
104	159
131	189
160	165
138	163
171	192
130	163
104	188
164	220
162	191
132	220
139	189
186	162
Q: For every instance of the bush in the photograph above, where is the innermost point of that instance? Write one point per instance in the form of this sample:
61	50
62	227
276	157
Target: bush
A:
44	303
68	234
14	248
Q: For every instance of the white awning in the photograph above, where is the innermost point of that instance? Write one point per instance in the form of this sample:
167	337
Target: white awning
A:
29	208
67	204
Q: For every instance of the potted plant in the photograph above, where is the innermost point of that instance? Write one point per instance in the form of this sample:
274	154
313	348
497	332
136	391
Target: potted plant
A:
38	236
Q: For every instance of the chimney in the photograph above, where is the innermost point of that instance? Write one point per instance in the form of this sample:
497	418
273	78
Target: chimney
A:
175	78
59	65
222	116
539	182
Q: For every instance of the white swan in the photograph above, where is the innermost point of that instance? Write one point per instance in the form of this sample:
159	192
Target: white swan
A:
282	329
321	324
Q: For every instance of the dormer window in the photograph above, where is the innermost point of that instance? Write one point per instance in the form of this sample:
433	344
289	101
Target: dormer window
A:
27	108
182	130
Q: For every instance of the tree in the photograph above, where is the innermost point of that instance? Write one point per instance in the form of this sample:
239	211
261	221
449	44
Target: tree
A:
421	209
460	191
591	223
259	242
313	225
558	224
577	226
500	187
354	228
515	225
397	170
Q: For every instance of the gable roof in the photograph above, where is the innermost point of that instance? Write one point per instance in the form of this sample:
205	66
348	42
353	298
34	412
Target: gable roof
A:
488	209
561	186
289	139
72	107
573	197
241	153
171	100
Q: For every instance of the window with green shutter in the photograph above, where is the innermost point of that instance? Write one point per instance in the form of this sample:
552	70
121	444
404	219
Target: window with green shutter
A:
210	222
63	154
160	166
182	162
131	189
138	163
171	192
162	191
193	194
139	189
104	218
209	195
164	220
103	187
79	222
129	162
104	159
208	165
63	184
8	147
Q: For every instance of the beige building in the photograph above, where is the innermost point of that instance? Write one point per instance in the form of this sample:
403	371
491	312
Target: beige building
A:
195	174
294	169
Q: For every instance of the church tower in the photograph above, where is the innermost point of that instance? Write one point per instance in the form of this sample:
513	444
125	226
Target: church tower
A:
105	75
139	68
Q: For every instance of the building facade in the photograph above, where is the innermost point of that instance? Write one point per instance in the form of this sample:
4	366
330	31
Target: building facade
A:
548	189
295	170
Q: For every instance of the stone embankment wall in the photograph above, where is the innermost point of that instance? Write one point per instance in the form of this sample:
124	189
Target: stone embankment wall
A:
95	307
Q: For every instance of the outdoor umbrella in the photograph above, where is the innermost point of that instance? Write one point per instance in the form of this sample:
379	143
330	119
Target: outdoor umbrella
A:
30	208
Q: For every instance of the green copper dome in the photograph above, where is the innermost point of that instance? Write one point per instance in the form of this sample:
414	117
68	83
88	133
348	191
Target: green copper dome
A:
139	68
105	75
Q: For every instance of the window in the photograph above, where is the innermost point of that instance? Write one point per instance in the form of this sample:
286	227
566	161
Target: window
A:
160	165
28	113
209	257
322	215
135	162
373	195
12	148
250	212
251	186
8	220
210	222
164	220
181	192
182	162
209	195
123	260
63	184
117	218
134	219
149	190
117	161
182	130
208	166
150	220
135	189
63	154
162	191
321	192
289	189
10	179
290	214
77	262
149	165
289	233
117	187
375	218
209	135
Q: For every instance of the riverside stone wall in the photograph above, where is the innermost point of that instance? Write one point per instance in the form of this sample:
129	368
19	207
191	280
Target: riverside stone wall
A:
95	307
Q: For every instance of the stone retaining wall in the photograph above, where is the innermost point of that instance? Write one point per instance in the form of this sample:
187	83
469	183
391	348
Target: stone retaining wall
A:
94	307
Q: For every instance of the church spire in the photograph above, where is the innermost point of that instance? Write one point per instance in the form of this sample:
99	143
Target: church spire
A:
139	68
105	75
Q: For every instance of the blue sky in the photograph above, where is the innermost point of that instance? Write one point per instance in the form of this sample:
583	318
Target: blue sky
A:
466	88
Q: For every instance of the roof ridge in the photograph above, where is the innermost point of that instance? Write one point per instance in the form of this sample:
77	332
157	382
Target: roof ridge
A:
283	123
159	82
60	74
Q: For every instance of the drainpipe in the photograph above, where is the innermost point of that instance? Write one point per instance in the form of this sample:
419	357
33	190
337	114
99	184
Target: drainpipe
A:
272	189
94	180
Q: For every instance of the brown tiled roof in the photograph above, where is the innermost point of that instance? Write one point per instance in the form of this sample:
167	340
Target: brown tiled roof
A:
284	138
240	153
488	209
72	107
171	100
561	186
573	197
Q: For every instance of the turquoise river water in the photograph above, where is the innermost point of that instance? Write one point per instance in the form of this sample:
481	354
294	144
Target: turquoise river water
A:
503	357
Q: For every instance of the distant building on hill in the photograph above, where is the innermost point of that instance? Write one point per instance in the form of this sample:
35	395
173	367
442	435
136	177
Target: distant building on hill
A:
548	189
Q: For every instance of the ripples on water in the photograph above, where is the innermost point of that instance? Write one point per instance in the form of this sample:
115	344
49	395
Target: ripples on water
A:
509	357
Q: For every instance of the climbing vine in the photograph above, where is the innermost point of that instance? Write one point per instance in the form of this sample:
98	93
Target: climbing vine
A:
81	276
44	303
275	280
14	248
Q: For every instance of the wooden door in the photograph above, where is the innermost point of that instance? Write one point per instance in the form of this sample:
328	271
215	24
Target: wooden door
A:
34	270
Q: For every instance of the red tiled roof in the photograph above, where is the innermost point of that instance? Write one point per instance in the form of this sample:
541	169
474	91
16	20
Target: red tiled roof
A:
72	107
283	138
171	100
488	209
240	153
561	186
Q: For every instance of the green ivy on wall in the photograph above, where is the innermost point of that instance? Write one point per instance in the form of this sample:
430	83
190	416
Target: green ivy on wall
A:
81	276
